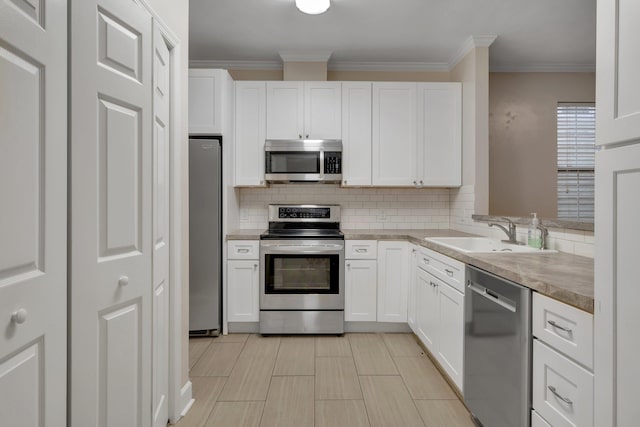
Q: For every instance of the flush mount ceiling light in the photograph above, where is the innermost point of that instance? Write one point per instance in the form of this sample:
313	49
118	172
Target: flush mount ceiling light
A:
313	7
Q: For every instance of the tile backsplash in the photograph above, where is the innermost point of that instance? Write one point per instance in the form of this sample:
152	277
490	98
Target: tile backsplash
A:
362	208
397	208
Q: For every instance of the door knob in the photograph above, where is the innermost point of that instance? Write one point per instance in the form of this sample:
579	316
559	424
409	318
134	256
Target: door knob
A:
123	281
19	317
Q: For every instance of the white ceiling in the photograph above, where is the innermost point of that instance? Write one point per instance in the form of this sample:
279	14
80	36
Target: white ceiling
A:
532	35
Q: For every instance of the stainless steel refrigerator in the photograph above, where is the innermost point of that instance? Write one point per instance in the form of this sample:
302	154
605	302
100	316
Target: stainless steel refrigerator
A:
205	234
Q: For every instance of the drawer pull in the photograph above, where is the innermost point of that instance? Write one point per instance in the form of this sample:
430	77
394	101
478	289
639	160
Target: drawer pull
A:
555	325
255	266
435	285
361	251
425	260
449	272
243	251
559	396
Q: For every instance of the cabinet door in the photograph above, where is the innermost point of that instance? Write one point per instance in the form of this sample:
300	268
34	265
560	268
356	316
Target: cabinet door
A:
394	134
427	315
250	126
616	286
285	110
322	110
243	289
356	133
393	280
205	101
439	134
617	70
360	290
412	292
451	331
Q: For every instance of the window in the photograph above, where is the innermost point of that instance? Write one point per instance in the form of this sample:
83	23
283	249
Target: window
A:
576	160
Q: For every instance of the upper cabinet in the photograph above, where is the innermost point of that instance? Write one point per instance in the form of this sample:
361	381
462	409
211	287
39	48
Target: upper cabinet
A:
250	131
309	110
207	100
618	67
439	134
417	134
356	133
394	134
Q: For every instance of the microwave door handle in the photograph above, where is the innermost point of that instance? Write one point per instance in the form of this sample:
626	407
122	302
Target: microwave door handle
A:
321	164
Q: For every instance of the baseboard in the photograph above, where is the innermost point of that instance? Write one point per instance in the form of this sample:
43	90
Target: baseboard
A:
376	327
243	327
186	398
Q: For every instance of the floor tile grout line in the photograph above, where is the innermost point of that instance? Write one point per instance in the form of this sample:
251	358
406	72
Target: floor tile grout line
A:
366	410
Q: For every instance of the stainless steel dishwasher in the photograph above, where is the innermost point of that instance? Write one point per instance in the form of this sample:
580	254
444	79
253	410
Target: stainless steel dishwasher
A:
497	358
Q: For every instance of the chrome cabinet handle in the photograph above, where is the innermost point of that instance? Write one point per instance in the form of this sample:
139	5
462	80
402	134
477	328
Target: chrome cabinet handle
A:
449	272
426	260
415	183
559	396
361	251
243	251
255	266
555	325
19	316
307	136
349	265
421	183
345	182
123	281
300	135
435	285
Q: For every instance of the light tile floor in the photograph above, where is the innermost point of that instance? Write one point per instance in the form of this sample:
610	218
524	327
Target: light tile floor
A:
356	380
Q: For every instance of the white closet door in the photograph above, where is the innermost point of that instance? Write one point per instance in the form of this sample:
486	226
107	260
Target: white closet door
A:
111	195
33	214
161	175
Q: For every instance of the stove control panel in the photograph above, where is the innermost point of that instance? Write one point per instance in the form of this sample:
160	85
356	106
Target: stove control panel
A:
302	213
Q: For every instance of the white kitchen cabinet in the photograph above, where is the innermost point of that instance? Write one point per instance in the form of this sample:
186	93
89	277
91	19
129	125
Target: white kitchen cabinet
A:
243	281
451	331
394	134
250	133
243	291
617	318
417	134
440	310
427	317
309	110
208	103
360	298
393	281
617	70
439	145
356	133
562	391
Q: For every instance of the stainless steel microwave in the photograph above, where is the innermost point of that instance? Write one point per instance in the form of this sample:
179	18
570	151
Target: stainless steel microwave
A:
308	160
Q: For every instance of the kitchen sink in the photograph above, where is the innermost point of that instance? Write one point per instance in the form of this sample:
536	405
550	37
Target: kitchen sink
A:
484	245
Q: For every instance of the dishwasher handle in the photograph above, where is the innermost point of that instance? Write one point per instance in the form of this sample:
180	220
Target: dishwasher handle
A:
494	296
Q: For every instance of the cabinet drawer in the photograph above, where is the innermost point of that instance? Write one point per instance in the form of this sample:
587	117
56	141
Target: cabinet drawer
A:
243	249
565	328
361	249
447	269
562	389
537	420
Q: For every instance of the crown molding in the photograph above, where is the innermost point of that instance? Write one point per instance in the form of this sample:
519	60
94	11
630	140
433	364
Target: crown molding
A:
298	56
543	68
469	44
388	66
236	65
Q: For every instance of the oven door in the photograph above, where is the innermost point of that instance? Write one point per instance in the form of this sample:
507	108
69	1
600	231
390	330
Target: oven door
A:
302	275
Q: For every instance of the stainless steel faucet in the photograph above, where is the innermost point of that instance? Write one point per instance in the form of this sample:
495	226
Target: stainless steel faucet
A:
511	232
543	235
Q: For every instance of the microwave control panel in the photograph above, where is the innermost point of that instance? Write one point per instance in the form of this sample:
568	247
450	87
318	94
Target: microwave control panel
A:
332	163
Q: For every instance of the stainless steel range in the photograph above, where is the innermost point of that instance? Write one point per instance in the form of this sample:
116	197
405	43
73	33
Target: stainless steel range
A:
301	271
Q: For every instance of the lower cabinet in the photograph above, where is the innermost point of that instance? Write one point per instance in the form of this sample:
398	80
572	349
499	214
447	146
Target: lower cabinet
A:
440	321
360	299
243	287
393	281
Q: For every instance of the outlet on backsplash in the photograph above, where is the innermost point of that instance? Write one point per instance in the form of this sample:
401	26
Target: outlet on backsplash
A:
383	217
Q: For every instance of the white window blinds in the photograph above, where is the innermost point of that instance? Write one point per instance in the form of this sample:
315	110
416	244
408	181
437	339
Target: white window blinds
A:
576	160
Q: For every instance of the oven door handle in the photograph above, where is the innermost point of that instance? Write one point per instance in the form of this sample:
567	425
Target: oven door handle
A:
286	249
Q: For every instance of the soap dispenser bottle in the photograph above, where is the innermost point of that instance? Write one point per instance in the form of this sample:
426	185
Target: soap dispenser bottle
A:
534	238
